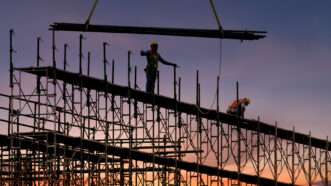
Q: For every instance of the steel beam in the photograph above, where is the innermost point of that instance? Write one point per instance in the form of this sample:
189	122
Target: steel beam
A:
185	32
123	153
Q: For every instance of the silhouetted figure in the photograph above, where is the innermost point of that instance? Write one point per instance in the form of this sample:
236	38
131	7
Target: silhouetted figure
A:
153	58
238	107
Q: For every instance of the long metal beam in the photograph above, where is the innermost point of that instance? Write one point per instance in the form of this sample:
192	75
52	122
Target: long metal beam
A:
169	103
42	146
185	32
125	153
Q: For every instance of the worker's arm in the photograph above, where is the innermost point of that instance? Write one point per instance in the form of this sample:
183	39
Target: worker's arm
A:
167	63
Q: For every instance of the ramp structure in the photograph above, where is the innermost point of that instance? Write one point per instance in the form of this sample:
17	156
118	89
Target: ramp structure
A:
68	128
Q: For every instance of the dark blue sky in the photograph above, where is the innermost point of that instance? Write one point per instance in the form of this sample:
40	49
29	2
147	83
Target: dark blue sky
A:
286	75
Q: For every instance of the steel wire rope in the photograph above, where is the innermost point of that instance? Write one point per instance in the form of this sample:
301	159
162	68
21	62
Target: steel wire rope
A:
211	2
218	74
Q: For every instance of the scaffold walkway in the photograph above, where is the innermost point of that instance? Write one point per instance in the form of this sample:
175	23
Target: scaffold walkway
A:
43	140
170	103
237	140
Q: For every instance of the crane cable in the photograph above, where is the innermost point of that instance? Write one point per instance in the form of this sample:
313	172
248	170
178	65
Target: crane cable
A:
87	22
218	21
212	4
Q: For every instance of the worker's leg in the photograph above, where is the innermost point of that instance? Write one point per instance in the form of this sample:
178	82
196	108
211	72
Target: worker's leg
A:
242	113
150	83
231	112
153	79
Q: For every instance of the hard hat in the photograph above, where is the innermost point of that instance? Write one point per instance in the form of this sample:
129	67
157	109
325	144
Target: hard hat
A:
154	43
247	101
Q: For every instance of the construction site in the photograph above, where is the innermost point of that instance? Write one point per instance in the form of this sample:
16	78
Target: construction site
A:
70	128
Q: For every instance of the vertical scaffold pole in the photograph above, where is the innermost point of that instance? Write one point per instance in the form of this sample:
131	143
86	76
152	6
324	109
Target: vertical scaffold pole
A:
64	97
175	121
129	68
54	109
113	114
81	120
327	161
88	99
10	114
11	65
53	48
88	63
276	154
65	60
158	117
258	150
1	164
136	120
113	71
88	104
218	129
37	106
293	157
309	161
175	83
199	136
80	53
130	126
105	61
238	133
178	172
38	63
135	101
66	124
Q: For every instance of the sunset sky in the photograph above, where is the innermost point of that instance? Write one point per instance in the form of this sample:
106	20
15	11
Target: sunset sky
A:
287	75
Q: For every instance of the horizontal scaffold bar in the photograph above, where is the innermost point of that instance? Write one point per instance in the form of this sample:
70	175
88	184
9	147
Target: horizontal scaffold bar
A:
74	154
169	103
204	33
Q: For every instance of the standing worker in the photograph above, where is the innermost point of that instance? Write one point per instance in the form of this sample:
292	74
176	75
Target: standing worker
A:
238	107
153	57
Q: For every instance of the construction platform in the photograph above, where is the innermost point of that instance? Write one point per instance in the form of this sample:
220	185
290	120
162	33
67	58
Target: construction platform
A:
172	104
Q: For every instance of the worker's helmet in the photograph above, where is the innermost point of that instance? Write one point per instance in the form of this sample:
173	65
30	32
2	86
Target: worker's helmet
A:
154	43
247	101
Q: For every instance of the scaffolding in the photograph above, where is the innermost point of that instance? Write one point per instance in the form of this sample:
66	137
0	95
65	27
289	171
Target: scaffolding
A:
67	128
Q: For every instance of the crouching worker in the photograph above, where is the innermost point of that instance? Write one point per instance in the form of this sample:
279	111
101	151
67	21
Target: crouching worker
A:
238	107
153	57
